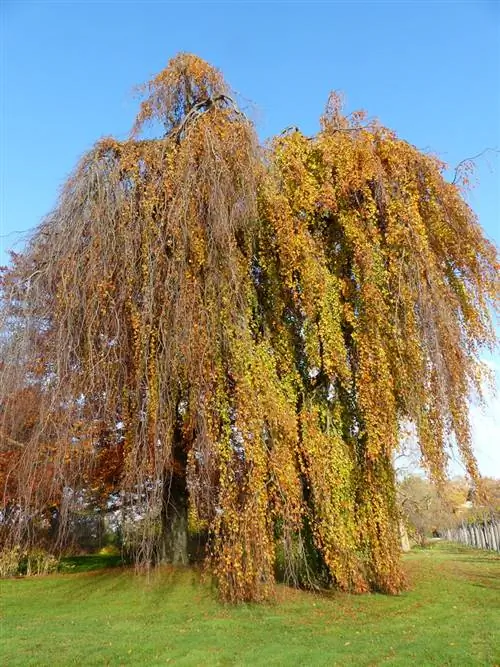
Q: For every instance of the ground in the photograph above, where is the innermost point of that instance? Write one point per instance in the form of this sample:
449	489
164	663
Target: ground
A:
87	616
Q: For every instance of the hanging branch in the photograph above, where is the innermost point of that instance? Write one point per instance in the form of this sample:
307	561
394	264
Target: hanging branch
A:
470	160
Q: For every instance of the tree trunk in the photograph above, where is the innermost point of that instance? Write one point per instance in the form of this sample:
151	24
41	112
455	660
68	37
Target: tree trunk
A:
174	520
174	512
405	541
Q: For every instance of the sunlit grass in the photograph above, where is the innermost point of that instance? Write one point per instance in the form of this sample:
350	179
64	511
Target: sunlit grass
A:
89	616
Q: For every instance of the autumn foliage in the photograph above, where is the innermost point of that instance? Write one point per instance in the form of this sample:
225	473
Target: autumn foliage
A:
249	326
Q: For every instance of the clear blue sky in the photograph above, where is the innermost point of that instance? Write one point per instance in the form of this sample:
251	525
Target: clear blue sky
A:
429	70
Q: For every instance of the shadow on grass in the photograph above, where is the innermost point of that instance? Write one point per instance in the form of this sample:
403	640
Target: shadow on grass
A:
89	563
471	555
464	552
109	573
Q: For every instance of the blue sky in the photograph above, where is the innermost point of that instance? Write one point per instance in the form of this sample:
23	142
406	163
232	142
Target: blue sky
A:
429	70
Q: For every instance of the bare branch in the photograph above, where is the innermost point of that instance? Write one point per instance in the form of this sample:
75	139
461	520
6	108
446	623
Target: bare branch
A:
470	160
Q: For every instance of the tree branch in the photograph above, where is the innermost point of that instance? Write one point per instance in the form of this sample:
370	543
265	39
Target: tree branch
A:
471	159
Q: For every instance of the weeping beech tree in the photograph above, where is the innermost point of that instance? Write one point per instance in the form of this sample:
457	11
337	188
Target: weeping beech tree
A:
232	336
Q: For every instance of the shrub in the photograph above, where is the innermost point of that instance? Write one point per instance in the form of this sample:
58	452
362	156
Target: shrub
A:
9	561
14	562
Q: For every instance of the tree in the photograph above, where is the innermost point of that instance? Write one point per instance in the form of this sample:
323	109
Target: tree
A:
244	330
427	509
491	487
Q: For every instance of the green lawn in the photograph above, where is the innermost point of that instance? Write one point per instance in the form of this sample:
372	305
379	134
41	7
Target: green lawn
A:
451	616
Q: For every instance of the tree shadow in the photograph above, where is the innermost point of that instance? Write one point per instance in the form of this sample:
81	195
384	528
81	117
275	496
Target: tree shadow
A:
89	563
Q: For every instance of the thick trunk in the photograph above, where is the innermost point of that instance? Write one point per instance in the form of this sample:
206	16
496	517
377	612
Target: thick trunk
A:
174	513
174	520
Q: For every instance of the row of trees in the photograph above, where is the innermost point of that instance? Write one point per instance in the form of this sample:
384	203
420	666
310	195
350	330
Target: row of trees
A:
224	338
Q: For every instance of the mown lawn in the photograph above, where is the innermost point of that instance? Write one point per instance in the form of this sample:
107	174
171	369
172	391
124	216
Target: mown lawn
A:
451	616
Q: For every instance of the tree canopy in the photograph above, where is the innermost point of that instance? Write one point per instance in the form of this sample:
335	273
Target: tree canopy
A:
240	331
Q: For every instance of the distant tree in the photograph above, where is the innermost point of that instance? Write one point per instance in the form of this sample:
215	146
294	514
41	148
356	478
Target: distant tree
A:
427	509
491	489
230	336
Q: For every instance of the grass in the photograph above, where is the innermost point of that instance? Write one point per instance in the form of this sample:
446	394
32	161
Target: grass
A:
89	616
89	563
